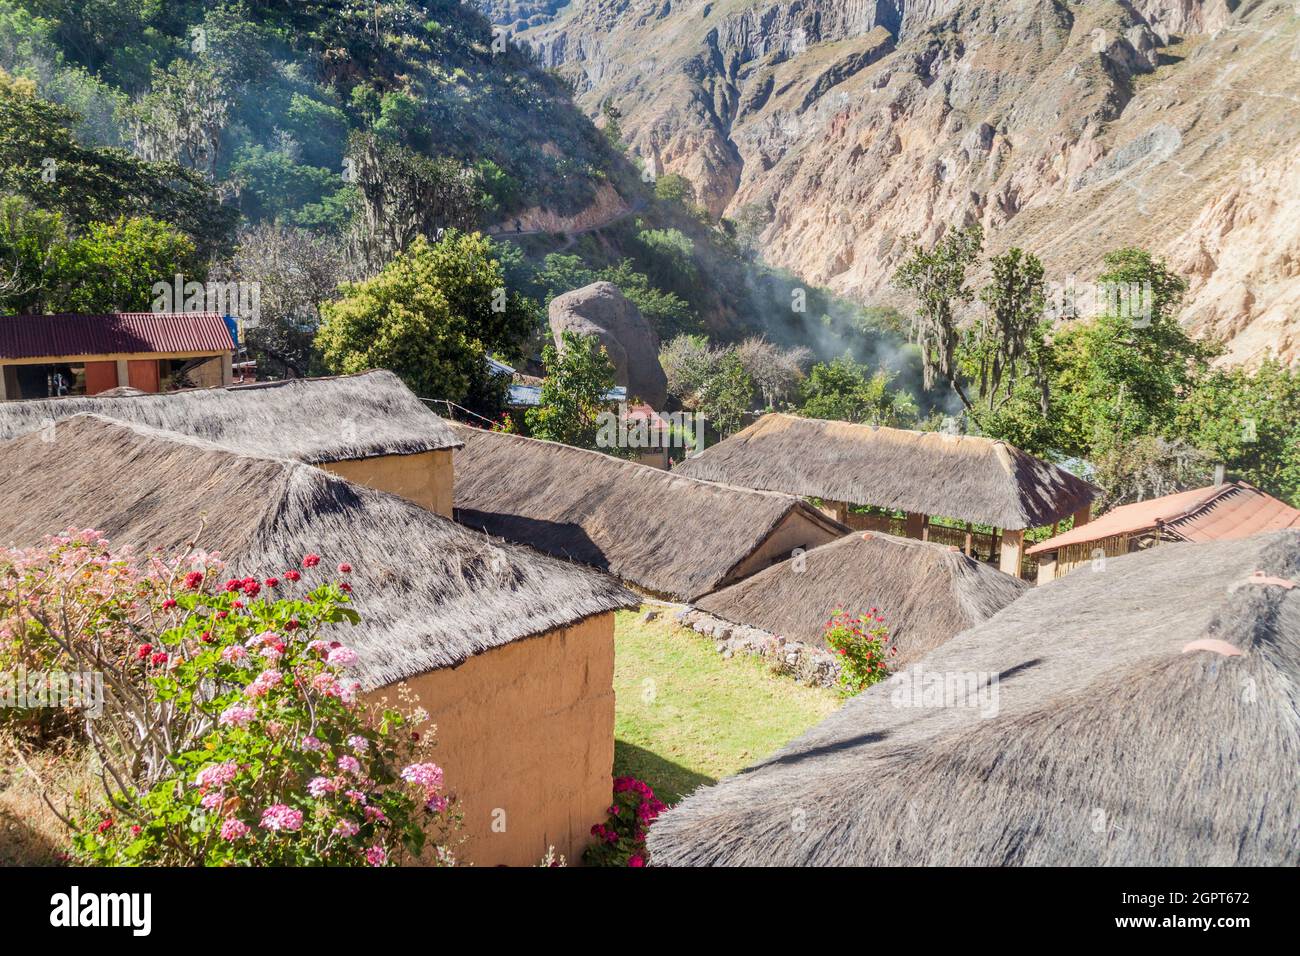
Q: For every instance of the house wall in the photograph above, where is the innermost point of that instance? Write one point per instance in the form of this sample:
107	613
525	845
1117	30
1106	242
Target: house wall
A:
525	736
795	531
424	478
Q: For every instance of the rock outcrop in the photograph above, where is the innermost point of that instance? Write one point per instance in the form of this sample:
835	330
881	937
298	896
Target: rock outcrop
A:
1068	128
600	309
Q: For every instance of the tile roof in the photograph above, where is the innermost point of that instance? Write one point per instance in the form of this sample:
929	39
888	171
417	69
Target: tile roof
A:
1214	513
42	336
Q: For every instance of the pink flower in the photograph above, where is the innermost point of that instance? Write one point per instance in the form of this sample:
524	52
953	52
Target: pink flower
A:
342	655
217	774
212	801
280	817
233	653
636	859
233	829
349	764
236	715
377	856
346	828
320	786
358	743
311	561
311	743
435	804
345	568
426	775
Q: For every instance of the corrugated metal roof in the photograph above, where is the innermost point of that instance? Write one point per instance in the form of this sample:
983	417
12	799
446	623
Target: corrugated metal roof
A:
61	336
1214	513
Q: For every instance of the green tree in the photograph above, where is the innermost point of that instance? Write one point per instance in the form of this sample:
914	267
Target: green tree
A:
727	394
30	239
431	316
936	278
1250	422
844	390
578	377
42	161
114	265
1123	373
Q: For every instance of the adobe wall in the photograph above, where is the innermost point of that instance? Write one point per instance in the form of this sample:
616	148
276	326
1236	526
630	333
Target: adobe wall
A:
424	478
526	739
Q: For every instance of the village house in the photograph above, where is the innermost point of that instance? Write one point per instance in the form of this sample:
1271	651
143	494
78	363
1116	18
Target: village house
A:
926	593
968	480
1219	512
511	652
1147	716
368	428
50	356
668	535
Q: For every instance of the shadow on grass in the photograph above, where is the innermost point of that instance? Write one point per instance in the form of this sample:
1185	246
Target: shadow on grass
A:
669	781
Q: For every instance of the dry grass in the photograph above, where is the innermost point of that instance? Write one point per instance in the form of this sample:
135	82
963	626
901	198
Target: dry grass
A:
30	833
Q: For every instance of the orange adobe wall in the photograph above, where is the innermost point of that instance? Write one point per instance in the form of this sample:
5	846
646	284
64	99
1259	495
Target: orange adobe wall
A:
526	739
424	478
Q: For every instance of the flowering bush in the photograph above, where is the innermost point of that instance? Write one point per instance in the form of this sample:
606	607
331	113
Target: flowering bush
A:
862	646
99	600
620	840
231	733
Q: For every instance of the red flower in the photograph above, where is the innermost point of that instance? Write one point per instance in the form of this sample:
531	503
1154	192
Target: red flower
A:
272	582
205	637
345	587
193	579
311	561
233	585
252	588
144	651
108	822
237	604
291	575
345	568
168	604
159	658
222	615
636	860
292	625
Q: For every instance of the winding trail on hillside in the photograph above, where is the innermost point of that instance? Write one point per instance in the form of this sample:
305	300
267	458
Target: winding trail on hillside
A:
570	235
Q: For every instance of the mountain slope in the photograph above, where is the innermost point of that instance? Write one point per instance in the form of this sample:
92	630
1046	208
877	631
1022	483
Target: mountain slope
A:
1069	128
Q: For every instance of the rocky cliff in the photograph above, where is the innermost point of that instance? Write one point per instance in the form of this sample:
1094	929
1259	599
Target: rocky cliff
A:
1069	128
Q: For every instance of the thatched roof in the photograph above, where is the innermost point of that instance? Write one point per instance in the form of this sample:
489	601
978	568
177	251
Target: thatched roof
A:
927	593
664	533
430	593
1116	740
313	420
955	476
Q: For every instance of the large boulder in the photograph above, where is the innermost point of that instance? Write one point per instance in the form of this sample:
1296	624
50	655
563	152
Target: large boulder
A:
600	309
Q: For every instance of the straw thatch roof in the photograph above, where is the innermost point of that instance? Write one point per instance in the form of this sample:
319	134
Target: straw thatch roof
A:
667	534
1146	715
313	420
955	476
927	593
430	593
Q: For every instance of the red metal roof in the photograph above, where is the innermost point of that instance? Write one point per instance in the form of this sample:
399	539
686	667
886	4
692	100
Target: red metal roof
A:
64	336
1215	513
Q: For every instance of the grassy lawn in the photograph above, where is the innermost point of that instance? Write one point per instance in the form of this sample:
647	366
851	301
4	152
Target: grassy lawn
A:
686	716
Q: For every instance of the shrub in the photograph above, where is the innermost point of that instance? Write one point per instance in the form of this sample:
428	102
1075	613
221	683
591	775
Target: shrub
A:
231	733
862	644
621	838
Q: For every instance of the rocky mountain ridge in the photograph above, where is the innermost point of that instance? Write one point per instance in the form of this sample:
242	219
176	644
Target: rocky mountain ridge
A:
844	127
